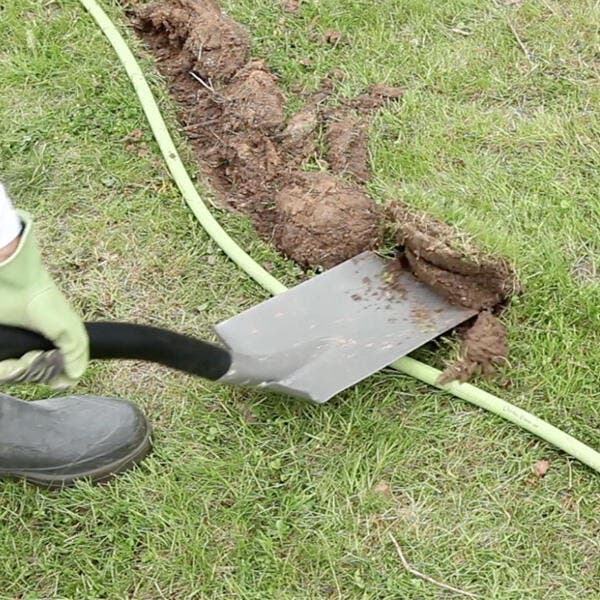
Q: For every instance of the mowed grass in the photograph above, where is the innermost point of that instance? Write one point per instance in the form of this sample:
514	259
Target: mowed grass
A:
251	496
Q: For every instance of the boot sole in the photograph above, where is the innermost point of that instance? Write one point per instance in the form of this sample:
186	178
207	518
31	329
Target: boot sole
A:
99	475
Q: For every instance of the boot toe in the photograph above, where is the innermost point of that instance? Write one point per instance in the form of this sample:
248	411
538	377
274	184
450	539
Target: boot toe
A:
57	441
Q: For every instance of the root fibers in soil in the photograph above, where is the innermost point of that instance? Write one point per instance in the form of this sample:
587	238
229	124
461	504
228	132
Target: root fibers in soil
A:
483	348
438	256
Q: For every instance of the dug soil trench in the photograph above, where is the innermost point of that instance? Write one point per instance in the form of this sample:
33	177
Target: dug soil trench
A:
232	110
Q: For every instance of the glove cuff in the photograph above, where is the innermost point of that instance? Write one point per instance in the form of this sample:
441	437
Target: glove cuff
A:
10	224
25	263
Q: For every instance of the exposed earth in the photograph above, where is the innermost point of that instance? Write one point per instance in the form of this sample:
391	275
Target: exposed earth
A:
232	109
483	348
438	255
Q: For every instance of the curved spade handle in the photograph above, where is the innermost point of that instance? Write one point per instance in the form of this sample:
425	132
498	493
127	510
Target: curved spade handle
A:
128	341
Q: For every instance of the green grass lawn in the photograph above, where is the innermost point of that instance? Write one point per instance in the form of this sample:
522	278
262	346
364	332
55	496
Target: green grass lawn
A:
251	496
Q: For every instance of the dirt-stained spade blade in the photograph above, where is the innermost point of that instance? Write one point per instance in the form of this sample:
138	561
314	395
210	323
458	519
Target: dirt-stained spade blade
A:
330	332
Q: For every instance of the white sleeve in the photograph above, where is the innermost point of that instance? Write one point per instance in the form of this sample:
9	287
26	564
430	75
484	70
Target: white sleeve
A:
10	224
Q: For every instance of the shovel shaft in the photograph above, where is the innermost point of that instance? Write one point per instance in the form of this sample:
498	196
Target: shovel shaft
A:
127	341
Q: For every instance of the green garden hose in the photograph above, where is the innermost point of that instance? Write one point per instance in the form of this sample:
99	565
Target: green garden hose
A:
406	365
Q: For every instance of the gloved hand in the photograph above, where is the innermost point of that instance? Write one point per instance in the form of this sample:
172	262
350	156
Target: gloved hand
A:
30	299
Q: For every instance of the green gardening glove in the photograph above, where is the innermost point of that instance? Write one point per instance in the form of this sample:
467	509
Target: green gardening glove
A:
30	299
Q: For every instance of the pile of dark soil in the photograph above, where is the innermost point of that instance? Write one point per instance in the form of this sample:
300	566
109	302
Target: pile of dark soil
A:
232	109
317	206
483	348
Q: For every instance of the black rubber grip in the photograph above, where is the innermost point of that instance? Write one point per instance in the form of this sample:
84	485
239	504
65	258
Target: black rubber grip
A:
128	341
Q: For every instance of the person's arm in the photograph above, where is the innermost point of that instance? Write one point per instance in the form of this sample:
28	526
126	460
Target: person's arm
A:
30	299
10	248
10	226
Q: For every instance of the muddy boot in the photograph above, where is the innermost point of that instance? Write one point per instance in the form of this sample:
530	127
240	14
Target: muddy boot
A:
54	442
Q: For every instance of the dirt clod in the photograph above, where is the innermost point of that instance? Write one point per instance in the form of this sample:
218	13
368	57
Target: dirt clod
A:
193	35
347	143
483	348
298	138
325	221
253	100
452	266
331	36
468	291
377	96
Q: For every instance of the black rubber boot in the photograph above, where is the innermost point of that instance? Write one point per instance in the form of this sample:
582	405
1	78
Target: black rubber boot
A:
55	442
